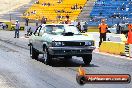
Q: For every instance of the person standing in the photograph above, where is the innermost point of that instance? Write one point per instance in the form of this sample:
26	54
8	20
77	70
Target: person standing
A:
68	21
85	26
17	27
102	30
26	21
44	20
118	28
129	26
79	26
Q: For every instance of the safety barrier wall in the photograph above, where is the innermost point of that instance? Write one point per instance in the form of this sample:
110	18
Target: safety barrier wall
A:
113	47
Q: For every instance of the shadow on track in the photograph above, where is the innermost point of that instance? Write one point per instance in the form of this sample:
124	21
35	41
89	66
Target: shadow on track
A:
72	62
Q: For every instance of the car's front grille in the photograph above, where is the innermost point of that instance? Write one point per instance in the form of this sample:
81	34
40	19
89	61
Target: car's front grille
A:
73	43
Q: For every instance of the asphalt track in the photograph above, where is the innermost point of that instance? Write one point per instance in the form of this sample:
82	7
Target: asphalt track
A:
18	70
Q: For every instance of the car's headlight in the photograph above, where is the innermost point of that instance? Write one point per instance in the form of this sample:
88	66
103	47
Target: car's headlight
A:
89	43
57	43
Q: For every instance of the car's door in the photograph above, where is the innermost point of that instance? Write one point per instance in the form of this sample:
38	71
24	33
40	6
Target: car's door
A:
41	39
37	38
45	34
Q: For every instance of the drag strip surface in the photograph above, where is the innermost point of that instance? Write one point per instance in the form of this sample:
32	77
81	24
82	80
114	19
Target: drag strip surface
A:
18	70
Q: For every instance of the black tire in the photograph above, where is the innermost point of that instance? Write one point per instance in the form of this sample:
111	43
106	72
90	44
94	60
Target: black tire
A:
33	53
47	57
87	59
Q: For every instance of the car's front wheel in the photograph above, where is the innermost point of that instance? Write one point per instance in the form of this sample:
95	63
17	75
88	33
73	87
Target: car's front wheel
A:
47	57
87	59
33	53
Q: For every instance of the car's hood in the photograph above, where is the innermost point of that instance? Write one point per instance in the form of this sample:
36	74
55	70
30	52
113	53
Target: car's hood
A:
70	38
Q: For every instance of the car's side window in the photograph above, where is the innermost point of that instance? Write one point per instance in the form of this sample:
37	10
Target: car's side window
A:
48	29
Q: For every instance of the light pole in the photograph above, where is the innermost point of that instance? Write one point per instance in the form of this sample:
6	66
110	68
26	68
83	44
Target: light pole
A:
10	16
10	11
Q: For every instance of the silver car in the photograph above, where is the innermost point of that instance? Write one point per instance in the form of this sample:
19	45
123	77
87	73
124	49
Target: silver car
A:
60	40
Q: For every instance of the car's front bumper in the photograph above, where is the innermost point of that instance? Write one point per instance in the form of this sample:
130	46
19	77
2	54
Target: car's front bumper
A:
71	51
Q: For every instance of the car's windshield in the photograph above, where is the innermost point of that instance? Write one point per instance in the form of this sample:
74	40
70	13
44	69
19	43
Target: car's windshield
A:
59	29
72	29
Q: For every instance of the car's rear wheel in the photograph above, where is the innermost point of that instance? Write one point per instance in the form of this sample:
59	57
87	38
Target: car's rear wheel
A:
47	57
87	59
33	53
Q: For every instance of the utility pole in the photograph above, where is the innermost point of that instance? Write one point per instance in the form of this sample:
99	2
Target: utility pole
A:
10	11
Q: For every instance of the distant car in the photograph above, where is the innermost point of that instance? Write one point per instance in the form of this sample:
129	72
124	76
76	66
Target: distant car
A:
124	28
60	40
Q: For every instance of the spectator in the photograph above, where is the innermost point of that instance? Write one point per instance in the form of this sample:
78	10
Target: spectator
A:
17	27
44	20
28	14
68	21
79	26
26	21
82	26
100	14
118	28
29	32
58	11
44	4
85	27
37	2
48	4
34	12
123	6
76	6
62	11
59	17
36	22
81	7
59	1
72	7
